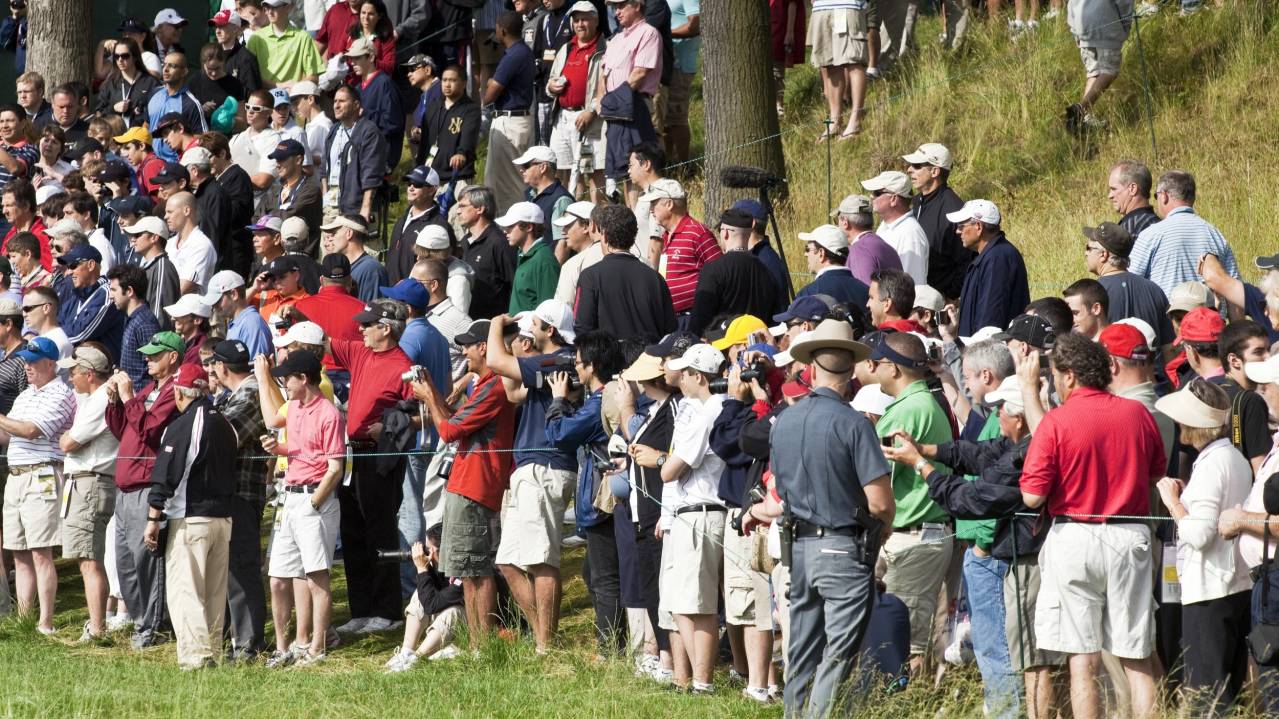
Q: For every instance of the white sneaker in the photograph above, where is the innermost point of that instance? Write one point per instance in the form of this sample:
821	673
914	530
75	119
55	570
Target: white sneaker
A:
355	626
449	652
1051	14
662	676
572	541
645	664
1146	9
308	659
757	694
378	624
403	660
119	621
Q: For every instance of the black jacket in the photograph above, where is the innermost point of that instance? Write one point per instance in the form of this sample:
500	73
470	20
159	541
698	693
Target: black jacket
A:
243	66
624	297
436	593
215	213
399	255
452	131
115	89
725	443
947	258
658	431
237	186
737	282
194	472
361	166
493	260
996	493
306	201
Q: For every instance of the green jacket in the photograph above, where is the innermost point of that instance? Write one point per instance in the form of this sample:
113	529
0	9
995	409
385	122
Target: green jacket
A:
918	414
536	274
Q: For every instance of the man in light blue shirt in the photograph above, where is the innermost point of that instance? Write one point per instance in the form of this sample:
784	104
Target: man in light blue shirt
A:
1167	253
228	296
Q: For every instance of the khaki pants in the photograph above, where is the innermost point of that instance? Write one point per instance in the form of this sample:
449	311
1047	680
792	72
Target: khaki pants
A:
915	570
509	137
196	560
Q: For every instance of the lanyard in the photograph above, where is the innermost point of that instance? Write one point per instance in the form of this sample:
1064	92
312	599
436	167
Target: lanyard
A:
546	29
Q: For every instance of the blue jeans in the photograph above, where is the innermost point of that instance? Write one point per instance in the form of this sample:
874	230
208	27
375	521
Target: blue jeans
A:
984	586
409	521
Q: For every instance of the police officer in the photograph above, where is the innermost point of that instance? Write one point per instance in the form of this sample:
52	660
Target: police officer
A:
837	524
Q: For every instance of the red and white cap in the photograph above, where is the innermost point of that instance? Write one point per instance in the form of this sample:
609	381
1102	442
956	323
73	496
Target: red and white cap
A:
226	17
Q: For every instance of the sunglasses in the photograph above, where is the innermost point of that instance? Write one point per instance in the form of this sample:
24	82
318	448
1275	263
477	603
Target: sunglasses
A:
30	308
124	56
255	108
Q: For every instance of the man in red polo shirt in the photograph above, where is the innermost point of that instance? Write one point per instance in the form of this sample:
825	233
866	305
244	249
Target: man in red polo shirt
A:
333	308
686	245
575	74
1096	588
370	503
484	428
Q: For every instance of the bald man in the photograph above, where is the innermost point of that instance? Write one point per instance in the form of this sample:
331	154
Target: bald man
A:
190	249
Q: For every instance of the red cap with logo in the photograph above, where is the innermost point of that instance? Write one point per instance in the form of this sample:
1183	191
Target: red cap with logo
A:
1201	325
1125	341
800	386
191	376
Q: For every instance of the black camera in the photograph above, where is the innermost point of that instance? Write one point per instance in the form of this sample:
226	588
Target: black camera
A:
559	363
394	555
755	371
753	497
283	323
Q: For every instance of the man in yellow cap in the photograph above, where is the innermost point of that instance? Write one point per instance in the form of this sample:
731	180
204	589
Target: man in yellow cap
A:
135	147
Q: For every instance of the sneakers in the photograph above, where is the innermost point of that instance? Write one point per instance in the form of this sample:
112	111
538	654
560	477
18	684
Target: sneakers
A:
88	637
116	622
572	541
662	675
873	73
331	638
1016	27
449	652
355	626
280	660
308	659
1092	122
378	624
734	677
644	665
402	661
47	631
757	694
700	689
1051	14
144	639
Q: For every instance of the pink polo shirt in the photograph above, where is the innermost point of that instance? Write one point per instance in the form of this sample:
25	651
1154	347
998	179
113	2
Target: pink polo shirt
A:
639	45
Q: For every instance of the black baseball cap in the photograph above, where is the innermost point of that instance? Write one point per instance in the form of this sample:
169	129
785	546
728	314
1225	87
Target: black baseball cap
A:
116	172
166	121
298	362
335	267
231	352
83	147
1115	239
1031	329
672	345
740	219
132	24
129	204
282	265
477	332
374	314
172	172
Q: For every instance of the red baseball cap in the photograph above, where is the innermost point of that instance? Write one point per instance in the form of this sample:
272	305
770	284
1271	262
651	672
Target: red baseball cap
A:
800	386
1201	325
191	376
226	17
1125	341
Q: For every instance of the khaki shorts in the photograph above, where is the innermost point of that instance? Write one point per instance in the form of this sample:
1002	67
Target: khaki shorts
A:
1096	590
31	508
832	48
1021	588
691	561
744	602
533	515
466	547
90	506
307	538
914	573
676	97
1101	60
445	622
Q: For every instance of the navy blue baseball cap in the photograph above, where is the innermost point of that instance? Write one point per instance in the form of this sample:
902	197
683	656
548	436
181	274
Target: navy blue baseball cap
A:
286	149
131	204
78	254
423	175
410	292
752	207
39	348
172	172
672	345
809	309
113	171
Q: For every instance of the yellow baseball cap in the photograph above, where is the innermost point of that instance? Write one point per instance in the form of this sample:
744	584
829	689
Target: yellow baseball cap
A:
739	332
134	134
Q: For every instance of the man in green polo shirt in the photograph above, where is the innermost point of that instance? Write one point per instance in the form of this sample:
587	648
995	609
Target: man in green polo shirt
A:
536	270
918	553
286	55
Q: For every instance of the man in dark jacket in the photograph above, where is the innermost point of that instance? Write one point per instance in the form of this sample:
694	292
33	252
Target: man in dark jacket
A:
354	157
450	129
213	205
191	490
486	250
929	169
380	99
619	294
737	282
422	182
995	288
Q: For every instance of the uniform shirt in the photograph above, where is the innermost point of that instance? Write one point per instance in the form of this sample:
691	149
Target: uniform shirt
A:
688	248
285	56
915	411
51	408
194	258
1085	467
870	253
98	447
375	382
691	443
907	237
483	428
1135	296
319	434
515	73
1168	251
536	274
493	260
822	483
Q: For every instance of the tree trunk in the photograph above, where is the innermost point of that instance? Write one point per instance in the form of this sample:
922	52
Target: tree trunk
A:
737	87
60	40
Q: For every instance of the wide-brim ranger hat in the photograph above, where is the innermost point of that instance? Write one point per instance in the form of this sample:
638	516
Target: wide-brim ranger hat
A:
829	335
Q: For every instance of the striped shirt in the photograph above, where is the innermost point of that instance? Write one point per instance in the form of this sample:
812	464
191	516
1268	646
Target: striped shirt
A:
819	5
51	408
451	322
687	250
1167	253
27	155
13	379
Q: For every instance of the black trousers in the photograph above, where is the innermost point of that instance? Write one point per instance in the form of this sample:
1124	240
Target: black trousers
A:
246	596
640	557
604	581
1213	637
370	508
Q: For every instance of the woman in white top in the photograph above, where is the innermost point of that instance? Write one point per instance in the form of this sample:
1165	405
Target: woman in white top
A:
1215	586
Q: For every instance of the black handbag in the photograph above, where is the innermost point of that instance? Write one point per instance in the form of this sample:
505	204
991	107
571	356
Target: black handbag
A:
1263	640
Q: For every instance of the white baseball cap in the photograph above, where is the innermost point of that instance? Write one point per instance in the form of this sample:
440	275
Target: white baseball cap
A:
580	210
558	315
536	153
188	305
982	210
304	88
294	228
47	190
308	333
702	358
1008	392
168	16
981	335
64	226
432	237
1263	372
929	298
889	181
871	399
663	189
524	324
521	212
150	224
583	6
828	236
222	282
359	47
930	153
198	156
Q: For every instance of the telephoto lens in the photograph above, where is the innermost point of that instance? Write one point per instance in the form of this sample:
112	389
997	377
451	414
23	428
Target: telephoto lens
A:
394	555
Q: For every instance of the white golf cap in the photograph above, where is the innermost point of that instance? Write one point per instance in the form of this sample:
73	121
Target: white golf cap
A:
188	305
930	153
663	189
870	399
981	335
828	236
277	3
982	210
1008	392
1152	339
702	358
168	16
558	315
524	324
221	282
47	190
433	237
308	333
304	88
150	224
64	226
1263	372
580	210
582	6
889	181
197	156
929	298
294	228
851	205
536	153
521	212
359	47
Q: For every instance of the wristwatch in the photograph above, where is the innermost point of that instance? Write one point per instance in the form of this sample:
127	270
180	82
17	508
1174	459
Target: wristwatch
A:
661	459
919	466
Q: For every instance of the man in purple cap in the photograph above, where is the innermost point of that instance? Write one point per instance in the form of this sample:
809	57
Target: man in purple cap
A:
86	311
